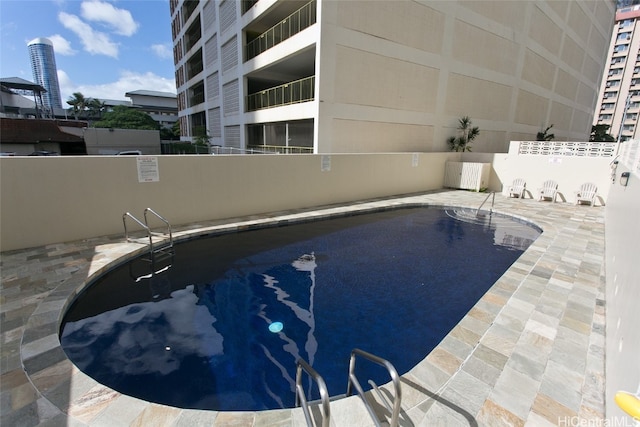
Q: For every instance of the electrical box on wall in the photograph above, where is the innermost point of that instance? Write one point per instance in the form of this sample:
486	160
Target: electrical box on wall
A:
467	175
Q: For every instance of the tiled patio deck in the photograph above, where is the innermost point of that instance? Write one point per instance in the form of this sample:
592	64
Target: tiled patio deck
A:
531	352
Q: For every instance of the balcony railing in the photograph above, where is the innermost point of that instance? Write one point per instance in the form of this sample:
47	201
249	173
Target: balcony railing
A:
282	149
289	93
291	25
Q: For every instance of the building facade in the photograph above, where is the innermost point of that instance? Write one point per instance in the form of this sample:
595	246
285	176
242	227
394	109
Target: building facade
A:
619	102
386	76
45	72
161	106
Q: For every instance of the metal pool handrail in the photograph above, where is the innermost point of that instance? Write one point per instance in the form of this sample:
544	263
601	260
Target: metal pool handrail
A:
301	400
353	382
161	219
150	234
493	193
126	234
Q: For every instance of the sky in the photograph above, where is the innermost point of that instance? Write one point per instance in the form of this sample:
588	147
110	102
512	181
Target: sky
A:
103	48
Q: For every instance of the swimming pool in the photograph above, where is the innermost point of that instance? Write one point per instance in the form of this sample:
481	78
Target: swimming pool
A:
221	325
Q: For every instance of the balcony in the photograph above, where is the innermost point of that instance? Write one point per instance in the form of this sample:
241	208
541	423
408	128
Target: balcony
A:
187	9
193	34
288	27
246	5
288	137
196	94
289	93
195	65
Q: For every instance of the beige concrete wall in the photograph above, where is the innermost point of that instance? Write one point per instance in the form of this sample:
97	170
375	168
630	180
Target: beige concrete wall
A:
56	199
623	290
568	172
513	67
102	141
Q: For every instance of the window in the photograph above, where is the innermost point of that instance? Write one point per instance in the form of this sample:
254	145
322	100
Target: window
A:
621	48
626	23
624	36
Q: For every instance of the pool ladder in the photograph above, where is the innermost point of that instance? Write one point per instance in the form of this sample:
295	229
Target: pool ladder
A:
493	200
159	249
392	404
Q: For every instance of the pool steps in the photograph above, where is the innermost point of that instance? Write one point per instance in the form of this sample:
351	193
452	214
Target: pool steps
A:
163	247
392	403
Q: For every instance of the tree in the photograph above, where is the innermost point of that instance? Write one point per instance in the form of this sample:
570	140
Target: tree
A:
170	134
466	134
96	107
599	134
78	104
545	135
201	139
122	117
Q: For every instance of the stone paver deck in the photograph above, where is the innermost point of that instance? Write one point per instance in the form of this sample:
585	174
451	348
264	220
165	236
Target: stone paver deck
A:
530	352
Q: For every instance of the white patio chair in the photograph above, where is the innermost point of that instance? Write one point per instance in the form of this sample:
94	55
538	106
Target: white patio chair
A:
517	188
549	190
587	193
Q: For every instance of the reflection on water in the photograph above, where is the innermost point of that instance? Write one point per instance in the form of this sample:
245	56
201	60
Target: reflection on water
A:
506	231
143	329
211	324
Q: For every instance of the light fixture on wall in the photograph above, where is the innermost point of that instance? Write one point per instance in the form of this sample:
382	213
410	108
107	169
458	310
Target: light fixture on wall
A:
624	178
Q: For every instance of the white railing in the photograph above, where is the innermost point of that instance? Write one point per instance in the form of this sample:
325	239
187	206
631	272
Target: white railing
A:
217	149
630	155
565	148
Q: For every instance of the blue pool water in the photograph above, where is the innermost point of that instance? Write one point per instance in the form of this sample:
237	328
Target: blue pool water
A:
222	323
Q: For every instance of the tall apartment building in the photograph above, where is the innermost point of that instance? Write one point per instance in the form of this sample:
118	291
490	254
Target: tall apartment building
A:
45	72
620	87
387	75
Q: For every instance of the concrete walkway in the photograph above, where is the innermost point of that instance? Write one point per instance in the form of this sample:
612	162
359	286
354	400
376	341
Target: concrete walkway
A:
531	351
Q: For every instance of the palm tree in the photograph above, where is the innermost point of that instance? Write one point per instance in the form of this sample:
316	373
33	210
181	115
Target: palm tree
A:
599	133
545	135
78	104
466	134
96	107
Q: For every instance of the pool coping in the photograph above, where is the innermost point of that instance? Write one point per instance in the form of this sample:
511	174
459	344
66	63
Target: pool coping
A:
448	385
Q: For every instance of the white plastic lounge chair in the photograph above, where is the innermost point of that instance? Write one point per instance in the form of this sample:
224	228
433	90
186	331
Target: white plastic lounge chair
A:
587	193
549	190
517	188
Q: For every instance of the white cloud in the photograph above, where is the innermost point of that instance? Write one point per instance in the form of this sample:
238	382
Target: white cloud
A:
127	81
61	45
163	51
119	20
94	42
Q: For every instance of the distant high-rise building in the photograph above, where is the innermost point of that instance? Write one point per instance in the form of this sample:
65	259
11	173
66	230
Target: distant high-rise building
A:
620	87
45	73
